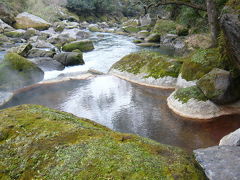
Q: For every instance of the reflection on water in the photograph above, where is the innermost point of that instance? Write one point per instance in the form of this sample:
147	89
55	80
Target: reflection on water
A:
129	108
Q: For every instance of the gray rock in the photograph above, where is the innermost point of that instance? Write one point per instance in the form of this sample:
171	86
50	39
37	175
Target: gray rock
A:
220	162
61	39
230	23
5	27
47	64
232	139
30	32
145	20
43	44
40	53
83	35
70	58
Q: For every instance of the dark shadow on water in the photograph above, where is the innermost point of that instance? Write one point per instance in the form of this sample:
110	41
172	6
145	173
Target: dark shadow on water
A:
129	108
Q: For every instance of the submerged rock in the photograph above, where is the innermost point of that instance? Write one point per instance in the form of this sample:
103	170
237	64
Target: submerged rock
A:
232	139
58	144
17	72
26	20
220	162
83	45
70	58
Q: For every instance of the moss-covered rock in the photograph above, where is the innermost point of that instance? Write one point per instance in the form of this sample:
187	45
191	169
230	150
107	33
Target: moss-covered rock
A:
219	86
17	72
193	92
94	28
42	143
70	58
22	50
26	20
154	37
200	63
164	26
152	64
131	29
14	34
83	45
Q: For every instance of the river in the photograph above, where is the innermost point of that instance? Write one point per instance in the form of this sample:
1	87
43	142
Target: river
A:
123	106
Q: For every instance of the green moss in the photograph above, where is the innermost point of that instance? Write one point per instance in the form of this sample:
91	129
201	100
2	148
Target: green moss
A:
201	62
131	29
163	26
44	143
94	29
185	94
80	45
152	63
137	41
207	84
235	5
13	34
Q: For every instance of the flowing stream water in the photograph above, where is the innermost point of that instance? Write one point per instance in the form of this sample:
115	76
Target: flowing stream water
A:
123	106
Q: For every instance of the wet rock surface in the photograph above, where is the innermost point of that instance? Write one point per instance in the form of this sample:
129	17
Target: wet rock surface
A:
232	139
220	162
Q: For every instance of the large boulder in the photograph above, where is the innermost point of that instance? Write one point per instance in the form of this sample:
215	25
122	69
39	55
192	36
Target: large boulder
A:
70	58
217	86
232	139
26	20
17	72
82	45
220	162
230	23
42	143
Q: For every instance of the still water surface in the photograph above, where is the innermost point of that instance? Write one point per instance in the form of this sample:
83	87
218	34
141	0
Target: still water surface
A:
130	108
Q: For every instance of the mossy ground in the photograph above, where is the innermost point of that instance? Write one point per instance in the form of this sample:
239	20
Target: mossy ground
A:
41	143
185	94
80	45
152	64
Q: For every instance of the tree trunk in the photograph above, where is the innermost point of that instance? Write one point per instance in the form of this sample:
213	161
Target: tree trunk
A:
213	21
